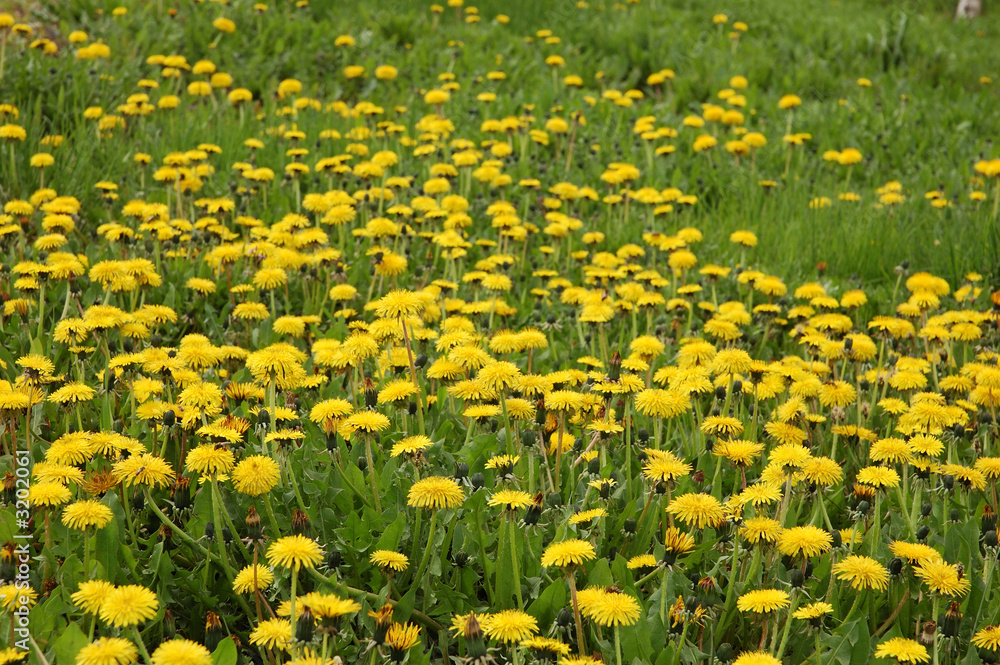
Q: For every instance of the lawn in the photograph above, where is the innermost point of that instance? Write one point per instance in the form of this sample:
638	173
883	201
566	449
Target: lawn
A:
647	332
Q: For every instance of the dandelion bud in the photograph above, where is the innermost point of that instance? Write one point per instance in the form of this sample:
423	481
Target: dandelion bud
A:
643	436
474	643
420	361
725	652
210	530
362	463
138	502
925	510
227	535
264	418
737	387
990	539
949	481
951	621
331	441
629	526
554	499
927	634
169	625
720	392
989	522
305	625
461	559
565	617
334	559
615	366
461	471
213	631
594	466
9	491
371	394
540	413
864	507
922	533
383	619
255	528
955	515
478	481
411	408
8	566
300	524
836	539
864	384
533	512
895	566
181	493
169	418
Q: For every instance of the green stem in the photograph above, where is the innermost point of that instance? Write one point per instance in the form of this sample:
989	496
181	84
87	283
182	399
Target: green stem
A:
517	569
142	645
417	579
788	625
292	617
371	474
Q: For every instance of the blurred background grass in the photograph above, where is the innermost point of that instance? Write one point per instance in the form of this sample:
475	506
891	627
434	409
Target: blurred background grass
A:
925	121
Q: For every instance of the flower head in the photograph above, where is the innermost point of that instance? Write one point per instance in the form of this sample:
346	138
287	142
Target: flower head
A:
435	492
902	650
568	553
128	606
294	552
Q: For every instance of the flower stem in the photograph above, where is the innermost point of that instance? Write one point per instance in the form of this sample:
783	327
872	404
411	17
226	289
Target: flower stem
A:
580	642
142	645
517	569
371	474
425	559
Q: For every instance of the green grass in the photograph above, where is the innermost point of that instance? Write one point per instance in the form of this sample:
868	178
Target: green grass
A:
926	120
926	142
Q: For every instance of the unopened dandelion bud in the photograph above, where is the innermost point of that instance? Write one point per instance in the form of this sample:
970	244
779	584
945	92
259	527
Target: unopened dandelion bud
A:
182	493
305	625
300	523
255	528
213	631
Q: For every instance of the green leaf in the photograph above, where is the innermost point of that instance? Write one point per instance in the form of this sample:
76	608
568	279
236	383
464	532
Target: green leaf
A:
68	644
548	603
225	653
404	608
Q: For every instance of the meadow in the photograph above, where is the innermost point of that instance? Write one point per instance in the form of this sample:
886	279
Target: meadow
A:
579	332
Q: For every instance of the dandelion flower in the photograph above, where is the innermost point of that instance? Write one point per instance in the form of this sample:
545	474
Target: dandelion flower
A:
762	601
389	559
128	606
943	578
294	552
697	510
509	626
862	572
83	514
804	541
181	652
256	475
435	492
108	651
568	553
244	580
902	650
272	634
612	609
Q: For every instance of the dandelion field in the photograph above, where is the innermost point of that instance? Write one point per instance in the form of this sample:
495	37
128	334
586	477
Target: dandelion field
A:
625	333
